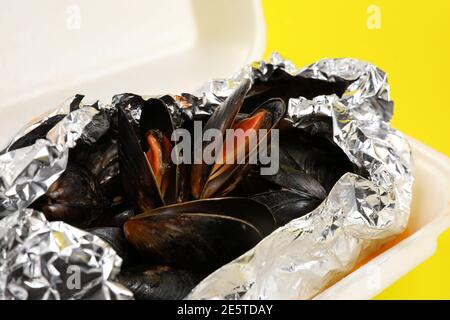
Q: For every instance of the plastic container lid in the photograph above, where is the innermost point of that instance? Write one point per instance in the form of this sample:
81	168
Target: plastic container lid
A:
55	50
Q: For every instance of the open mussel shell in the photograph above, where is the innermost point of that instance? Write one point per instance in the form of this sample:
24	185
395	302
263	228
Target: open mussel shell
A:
149	175
74	198
158	282
221	119
202	237
221	178
223	181
138	181
156	127
287	205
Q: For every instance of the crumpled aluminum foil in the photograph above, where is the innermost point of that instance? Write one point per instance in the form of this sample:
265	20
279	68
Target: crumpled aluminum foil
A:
309	254
52	260
297	261
42	260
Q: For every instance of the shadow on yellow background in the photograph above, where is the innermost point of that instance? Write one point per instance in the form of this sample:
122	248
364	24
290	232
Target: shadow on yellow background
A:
411	42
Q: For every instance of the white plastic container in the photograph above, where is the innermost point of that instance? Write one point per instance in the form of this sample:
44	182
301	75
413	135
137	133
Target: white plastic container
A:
52	50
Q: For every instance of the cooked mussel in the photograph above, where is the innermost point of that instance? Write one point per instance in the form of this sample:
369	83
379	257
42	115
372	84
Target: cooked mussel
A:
309	163
252	183
156	128
149	175
101	159
201	234
74	198
138	181
158	282
112	218
221	177
287	205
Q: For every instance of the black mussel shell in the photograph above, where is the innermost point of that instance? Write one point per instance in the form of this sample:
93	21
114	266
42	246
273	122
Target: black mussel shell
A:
313	155
287	205
115	238
294	179
74	198
222	119
138	181
280	84
113	219
222	182
75	103
102	160
252	184
199	241
219	180
240	208
39	132
156	118
309	163
158	282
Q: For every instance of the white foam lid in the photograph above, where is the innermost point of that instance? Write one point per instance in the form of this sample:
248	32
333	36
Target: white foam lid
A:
52	50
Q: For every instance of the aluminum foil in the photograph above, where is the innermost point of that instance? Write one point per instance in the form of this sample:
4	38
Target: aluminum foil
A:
42	260
52	260
309	254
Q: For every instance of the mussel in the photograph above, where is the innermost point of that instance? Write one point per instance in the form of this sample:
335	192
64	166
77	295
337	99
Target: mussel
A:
193	234
140	184
200	234
309	163
221	177
287	205
158	282
74	197
113	219
101	160
309	167
91	185
40	131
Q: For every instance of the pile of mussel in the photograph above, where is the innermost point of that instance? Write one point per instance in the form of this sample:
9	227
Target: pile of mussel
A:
175	223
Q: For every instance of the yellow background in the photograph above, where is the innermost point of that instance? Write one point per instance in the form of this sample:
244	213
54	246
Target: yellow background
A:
413	46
